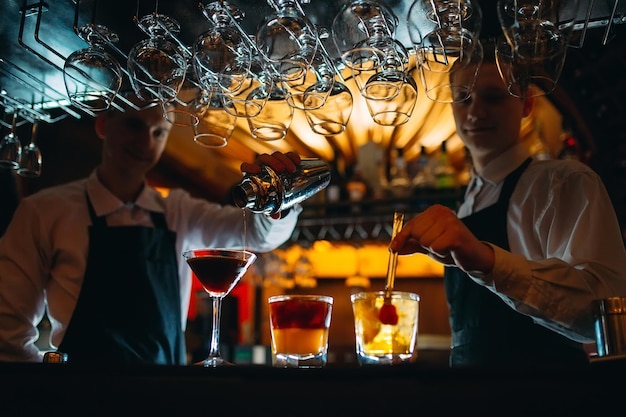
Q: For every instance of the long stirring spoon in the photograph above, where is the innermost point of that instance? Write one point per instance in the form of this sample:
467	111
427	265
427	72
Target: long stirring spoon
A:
387	313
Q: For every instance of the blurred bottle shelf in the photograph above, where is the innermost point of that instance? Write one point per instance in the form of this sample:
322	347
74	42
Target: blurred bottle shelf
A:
369	219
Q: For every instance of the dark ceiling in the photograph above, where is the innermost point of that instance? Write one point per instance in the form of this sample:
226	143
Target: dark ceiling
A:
594	80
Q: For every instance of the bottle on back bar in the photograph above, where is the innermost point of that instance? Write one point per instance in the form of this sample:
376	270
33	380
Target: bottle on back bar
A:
445	175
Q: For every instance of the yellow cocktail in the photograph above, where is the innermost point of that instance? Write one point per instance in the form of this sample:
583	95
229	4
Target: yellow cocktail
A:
378	343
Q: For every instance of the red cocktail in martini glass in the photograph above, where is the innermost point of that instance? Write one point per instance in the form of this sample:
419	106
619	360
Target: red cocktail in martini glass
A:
218	270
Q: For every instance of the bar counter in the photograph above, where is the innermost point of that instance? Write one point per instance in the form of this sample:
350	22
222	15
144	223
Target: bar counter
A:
258	390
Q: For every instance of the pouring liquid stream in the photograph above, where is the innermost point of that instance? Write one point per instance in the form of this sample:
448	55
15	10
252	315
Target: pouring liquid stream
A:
245	228
387	313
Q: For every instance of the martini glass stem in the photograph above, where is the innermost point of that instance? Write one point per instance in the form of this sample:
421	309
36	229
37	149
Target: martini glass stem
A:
214	350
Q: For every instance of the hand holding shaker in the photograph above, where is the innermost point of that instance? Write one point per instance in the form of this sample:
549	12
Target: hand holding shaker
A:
269	192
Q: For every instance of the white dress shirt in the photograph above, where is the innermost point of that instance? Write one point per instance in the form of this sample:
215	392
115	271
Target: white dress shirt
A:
566	247
43	253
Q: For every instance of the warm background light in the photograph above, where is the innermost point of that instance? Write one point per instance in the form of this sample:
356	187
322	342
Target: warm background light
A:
344	259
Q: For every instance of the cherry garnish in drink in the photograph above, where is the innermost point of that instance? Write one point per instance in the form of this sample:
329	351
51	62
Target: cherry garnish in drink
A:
387	313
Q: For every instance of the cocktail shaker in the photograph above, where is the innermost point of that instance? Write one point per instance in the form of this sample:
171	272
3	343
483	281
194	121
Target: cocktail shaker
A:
269	192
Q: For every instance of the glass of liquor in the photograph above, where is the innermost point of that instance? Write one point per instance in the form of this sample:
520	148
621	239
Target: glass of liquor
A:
299	327
380	341
218	270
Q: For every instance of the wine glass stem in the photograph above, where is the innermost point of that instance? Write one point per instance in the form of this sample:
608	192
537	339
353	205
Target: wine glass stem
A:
214	351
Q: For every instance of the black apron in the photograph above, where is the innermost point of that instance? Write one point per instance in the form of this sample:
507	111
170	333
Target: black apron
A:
486	331
128	310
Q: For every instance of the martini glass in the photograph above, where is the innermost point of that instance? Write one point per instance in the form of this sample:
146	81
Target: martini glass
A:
218	270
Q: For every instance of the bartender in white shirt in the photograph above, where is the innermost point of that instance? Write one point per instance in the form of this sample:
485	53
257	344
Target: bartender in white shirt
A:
102	255
534	243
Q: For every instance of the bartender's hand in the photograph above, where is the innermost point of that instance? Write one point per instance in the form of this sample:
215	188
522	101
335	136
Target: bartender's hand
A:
278	161
440	234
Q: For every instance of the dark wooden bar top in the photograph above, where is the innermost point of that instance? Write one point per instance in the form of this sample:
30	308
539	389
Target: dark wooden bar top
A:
255	390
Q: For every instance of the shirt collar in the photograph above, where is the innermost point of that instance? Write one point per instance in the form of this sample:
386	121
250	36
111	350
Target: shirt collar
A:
105	202
498	169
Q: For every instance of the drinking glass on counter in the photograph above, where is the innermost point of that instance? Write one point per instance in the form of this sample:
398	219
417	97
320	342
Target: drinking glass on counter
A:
218	270
299	327
384	342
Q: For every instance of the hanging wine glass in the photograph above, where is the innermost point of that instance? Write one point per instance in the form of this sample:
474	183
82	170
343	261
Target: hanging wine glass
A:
332	117
218	270
215	123
328	103
221	55
378	62
538	35
312	90
363	33
250	98
274	119
395	110
364	63
11	147
520	73
537	30
391	72
427	16
443	52
445	37
287	40
92	76
180	110
156	65
359	20
30	159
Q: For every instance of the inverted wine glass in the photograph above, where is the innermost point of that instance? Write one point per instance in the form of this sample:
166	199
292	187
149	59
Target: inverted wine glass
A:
30	159
218	270
274	119
311	90
250	99
10	148
215	122
287	37
445	37
397	109
331	118
156	65
180	111
443	52
363	33
519	73
221	55
92	76
537	30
